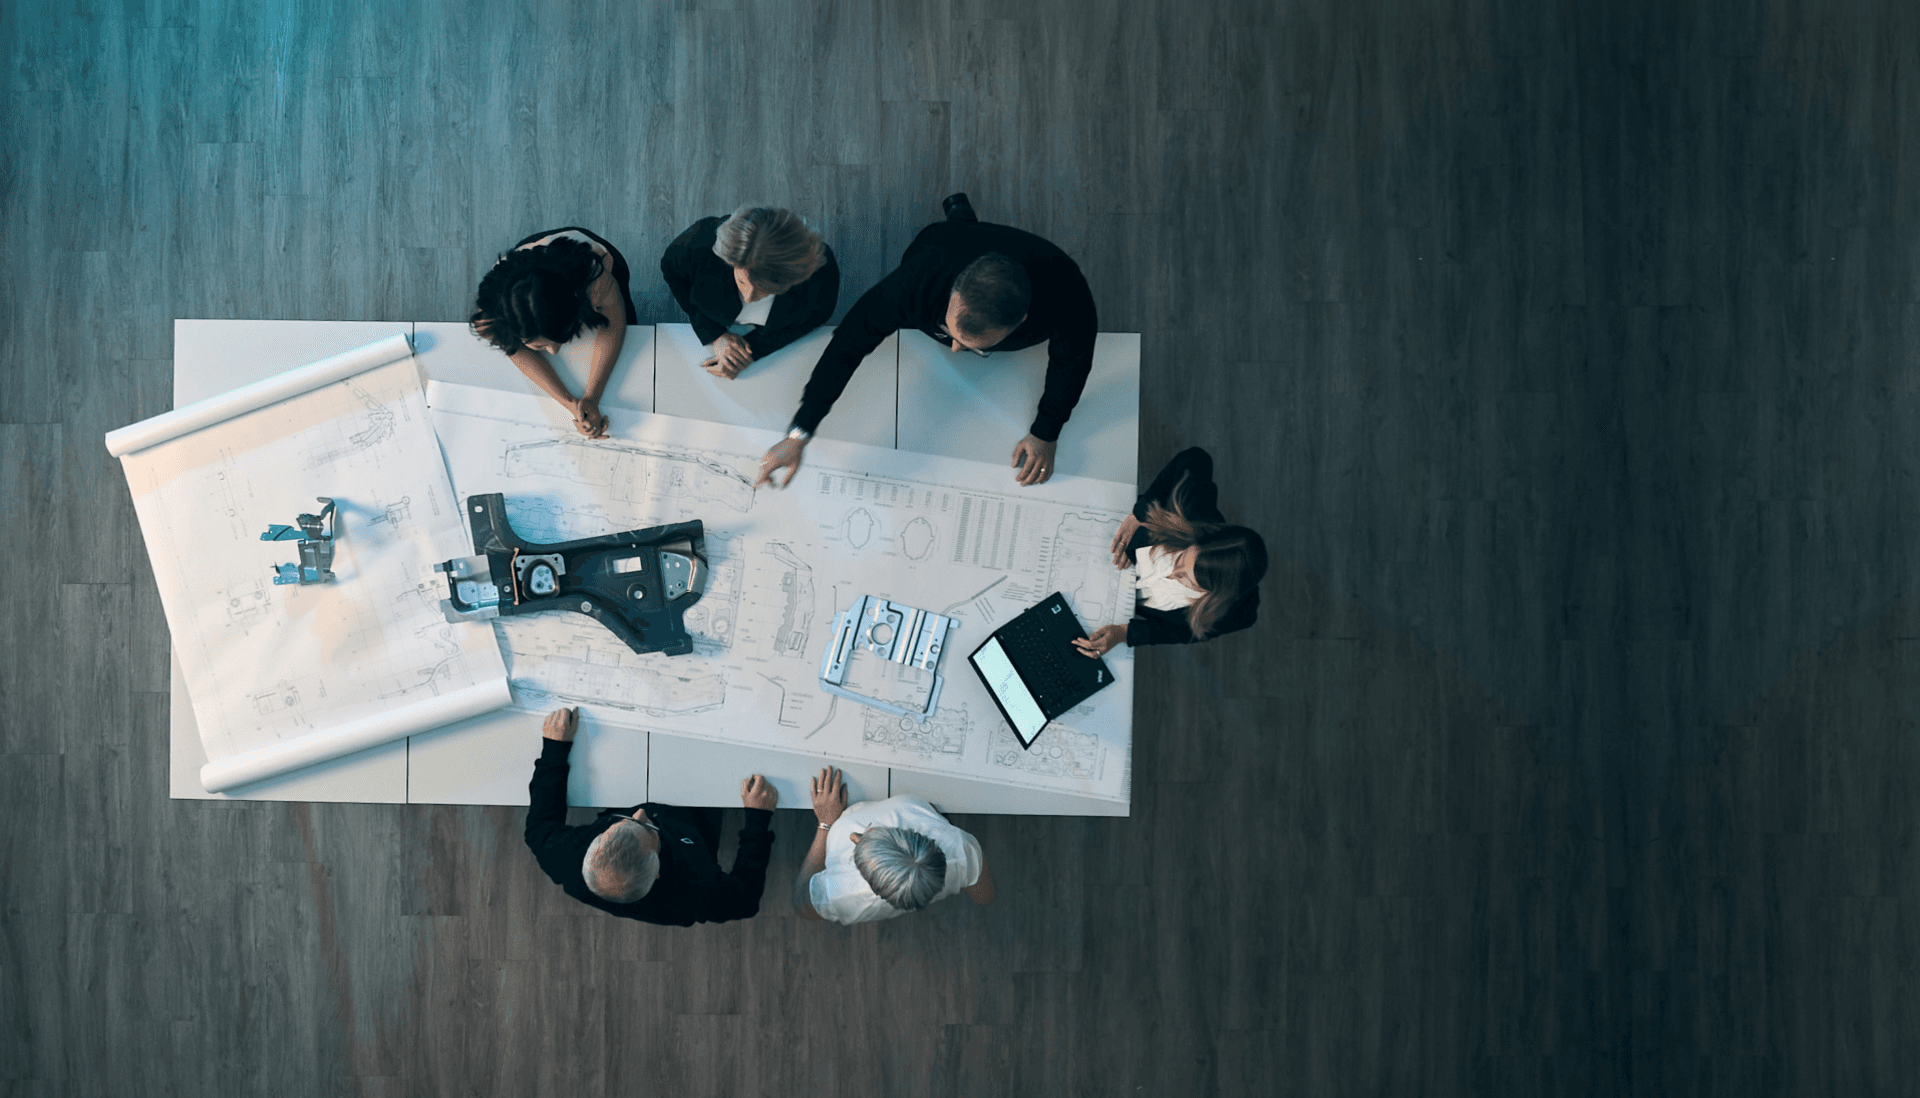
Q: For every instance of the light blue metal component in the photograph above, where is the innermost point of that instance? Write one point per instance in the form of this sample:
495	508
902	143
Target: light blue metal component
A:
895	632
313	535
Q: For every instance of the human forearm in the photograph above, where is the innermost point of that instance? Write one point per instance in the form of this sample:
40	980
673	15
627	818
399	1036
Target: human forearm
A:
737	894
607	343
1143	631
815	861
539	371
1067	371
547	792
820	303
874	317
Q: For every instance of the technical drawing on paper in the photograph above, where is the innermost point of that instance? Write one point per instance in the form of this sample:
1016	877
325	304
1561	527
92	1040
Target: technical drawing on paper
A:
858	528
917	539
631	473
930	532
378	428
944	733
572	670
796	619
1059	752
1080	565
263	664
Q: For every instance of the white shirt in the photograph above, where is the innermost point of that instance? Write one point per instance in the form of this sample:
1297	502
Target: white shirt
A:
1155	583
841	895
755	313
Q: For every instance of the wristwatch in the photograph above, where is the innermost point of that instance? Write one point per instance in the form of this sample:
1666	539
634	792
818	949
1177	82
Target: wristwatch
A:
799	433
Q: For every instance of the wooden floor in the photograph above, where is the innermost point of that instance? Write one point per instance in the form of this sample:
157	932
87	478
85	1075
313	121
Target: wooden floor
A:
1568	355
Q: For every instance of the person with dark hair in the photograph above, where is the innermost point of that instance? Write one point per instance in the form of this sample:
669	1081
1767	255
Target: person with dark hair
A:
543	293
763	271
654	862
1198	576
976	288
881	859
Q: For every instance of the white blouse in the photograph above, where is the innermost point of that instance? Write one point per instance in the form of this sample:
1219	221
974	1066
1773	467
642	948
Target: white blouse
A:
1153	571
755	313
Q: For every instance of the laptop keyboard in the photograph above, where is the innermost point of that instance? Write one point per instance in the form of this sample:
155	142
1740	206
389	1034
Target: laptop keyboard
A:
1039	657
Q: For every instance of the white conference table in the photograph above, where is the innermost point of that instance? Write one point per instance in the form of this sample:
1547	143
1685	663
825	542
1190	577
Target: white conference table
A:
910	393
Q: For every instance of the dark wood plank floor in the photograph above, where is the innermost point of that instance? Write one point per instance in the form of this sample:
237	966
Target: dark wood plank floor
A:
1565	353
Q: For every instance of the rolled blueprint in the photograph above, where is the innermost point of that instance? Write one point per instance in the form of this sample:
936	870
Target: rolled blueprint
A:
286	675
341	740
219	409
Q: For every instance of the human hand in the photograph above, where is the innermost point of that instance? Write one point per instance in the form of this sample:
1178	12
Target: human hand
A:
829	796
587	418
755	792
1034	458
730	356
1105	639
561	724
784	455
1122	556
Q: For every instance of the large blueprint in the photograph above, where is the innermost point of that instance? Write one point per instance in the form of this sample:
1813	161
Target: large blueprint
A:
285	676
939	533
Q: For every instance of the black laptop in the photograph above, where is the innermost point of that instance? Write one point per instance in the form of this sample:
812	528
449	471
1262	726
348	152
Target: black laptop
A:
1033	671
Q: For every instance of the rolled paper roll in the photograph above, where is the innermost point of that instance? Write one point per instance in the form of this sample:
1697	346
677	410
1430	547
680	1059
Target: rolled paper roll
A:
219	409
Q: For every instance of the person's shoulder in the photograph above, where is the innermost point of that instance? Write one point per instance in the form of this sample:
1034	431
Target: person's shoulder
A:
908	805
703	231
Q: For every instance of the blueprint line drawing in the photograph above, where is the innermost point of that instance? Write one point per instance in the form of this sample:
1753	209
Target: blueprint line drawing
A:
938	533
273	672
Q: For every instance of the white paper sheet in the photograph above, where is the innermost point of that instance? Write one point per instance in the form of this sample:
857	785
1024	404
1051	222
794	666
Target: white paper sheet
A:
939	533
286	676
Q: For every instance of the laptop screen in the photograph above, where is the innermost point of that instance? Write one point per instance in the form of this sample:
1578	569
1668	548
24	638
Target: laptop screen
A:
1016	701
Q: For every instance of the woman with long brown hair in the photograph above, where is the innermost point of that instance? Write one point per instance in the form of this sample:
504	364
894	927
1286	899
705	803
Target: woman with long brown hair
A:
1198	575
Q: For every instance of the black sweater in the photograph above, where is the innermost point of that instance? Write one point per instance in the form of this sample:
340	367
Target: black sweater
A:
915	295
703	285
1200	502
691	887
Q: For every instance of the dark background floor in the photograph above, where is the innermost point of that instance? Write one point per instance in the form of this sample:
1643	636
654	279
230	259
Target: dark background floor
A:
1565	353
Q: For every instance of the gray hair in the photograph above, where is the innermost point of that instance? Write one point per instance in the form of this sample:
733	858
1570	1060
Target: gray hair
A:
776	247
622	863
994	294
904	868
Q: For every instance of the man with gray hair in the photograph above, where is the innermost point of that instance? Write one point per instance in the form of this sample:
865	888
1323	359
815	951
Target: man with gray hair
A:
654	862
881	859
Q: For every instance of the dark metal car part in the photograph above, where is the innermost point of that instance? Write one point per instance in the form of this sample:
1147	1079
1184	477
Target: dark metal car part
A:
638	583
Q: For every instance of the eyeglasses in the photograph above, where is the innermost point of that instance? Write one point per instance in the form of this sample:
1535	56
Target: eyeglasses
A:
940	333
635	819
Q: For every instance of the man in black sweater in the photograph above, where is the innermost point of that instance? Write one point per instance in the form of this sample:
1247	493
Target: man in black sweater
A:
975	288
655	863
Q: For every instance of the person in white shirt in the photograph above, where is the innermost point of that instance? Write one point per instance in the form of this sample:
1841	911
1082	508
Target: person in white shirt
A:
881	859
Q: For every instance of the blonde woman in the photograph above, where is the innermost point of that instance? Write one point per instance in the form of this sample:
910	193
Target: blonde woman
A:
751	283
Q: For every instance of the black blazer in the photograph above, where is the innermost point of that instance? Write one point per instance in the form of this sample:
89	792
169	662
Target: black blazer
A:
915	295
703	285
619	262
691	887
1200	501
